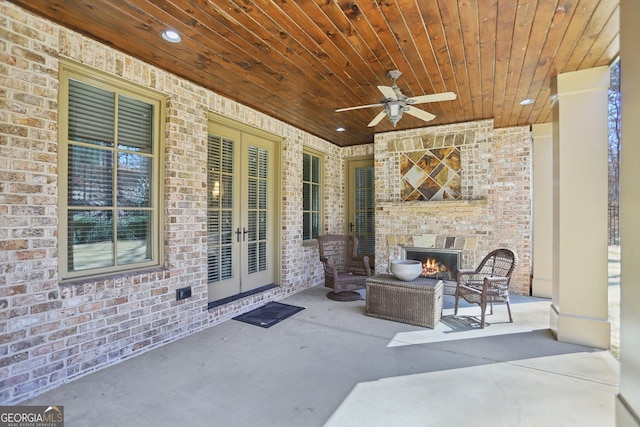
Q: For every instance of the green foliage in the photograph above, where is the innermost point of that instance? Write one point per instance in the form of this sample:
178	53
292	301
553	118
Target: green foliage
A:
133	227
92	227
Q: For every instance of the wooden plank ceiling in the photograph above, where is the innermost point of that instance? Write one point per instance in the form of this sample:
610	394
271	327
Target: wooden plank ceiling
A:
300	60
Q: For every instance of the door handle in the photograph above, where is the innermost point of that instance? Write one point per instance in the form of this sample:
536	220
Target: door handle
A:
244	233
238	234
351	227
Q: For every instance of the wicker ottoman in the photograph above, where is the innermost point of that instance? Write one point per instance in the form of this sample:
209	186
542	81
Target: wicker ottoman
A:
418	302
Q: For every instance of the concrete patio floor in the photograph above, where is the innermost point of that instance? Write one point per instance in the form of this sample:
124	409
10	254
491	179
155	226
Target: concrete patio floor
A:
331	365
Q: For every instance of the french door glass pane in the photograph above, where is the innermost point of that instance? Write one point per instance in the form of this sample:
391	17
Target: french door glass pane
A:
252	258
213	229
220	176
262	195
262	225
262	260
215	190
213	264
252	193
226	227
227	191
252	221
257	196
226	262
364	209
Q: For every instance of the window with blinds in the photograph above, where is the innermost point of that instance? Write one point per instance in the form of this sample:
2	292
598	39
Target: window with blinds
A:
220	176
257	215
110	139
364	209
311	194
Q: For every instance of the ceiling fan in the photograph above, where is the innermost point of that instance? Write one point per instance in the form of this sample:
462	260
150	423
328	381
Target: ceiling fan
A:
395	103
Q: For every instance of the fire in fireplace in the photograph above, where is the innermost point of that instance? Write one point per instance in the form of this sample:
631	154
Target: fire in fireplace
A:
436	263
431	267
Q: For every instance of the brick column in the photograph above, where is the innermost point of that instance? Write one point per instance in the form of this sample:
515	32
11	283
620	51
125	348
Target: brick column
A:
579	312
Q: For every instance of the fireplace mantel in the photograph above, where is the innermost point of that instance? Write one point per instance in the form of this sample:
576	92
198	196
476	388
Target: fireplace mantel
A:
435	204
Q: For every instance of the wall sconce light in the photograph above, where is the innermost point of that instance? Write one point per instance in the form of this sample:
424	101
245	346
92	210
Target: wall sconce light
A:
215	192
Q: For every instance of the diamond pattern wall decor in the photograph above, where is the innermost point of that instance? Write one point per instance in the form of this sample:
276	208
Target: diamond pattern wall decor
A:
431	175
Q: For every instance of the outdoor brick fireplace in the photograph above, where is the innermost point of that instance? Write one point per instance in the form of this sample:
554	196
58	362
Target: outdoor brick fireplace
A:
490	206
436	263
440	264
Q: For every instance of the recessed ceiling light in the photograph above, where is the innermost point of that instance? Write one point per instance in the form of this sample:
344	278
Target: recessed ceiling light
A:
340	129
527	101
171	36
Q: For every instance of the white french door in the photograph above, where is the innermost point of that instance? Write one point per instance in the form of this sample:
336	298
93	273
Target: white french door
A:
242	211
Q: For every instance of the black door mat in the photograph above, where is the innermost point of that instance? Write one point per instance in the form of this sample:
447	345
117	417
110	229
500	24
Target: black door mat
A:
269	314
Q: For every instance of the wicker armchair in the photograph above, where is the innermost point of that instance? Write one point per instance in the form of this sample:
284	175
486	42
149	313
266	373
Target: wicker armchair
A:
488	283
344	270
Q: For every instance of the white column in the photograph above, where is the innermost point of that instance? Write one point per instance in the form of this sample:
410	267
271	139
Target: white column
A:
542	210
628	402
579	309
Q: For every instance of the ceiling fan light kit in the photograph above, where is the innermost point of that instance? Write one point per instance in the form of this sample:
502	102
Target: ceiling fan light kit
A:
394	110
395	103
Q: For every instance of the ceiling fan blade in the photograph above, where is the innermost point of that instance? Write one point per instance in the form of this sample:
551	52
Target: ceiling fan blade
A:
421	114
377	119
434	97
388	92
357	108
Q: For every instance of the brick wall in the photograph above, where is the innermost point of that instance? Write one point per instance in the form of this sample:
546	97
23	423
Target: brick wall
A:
495	210
52	333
